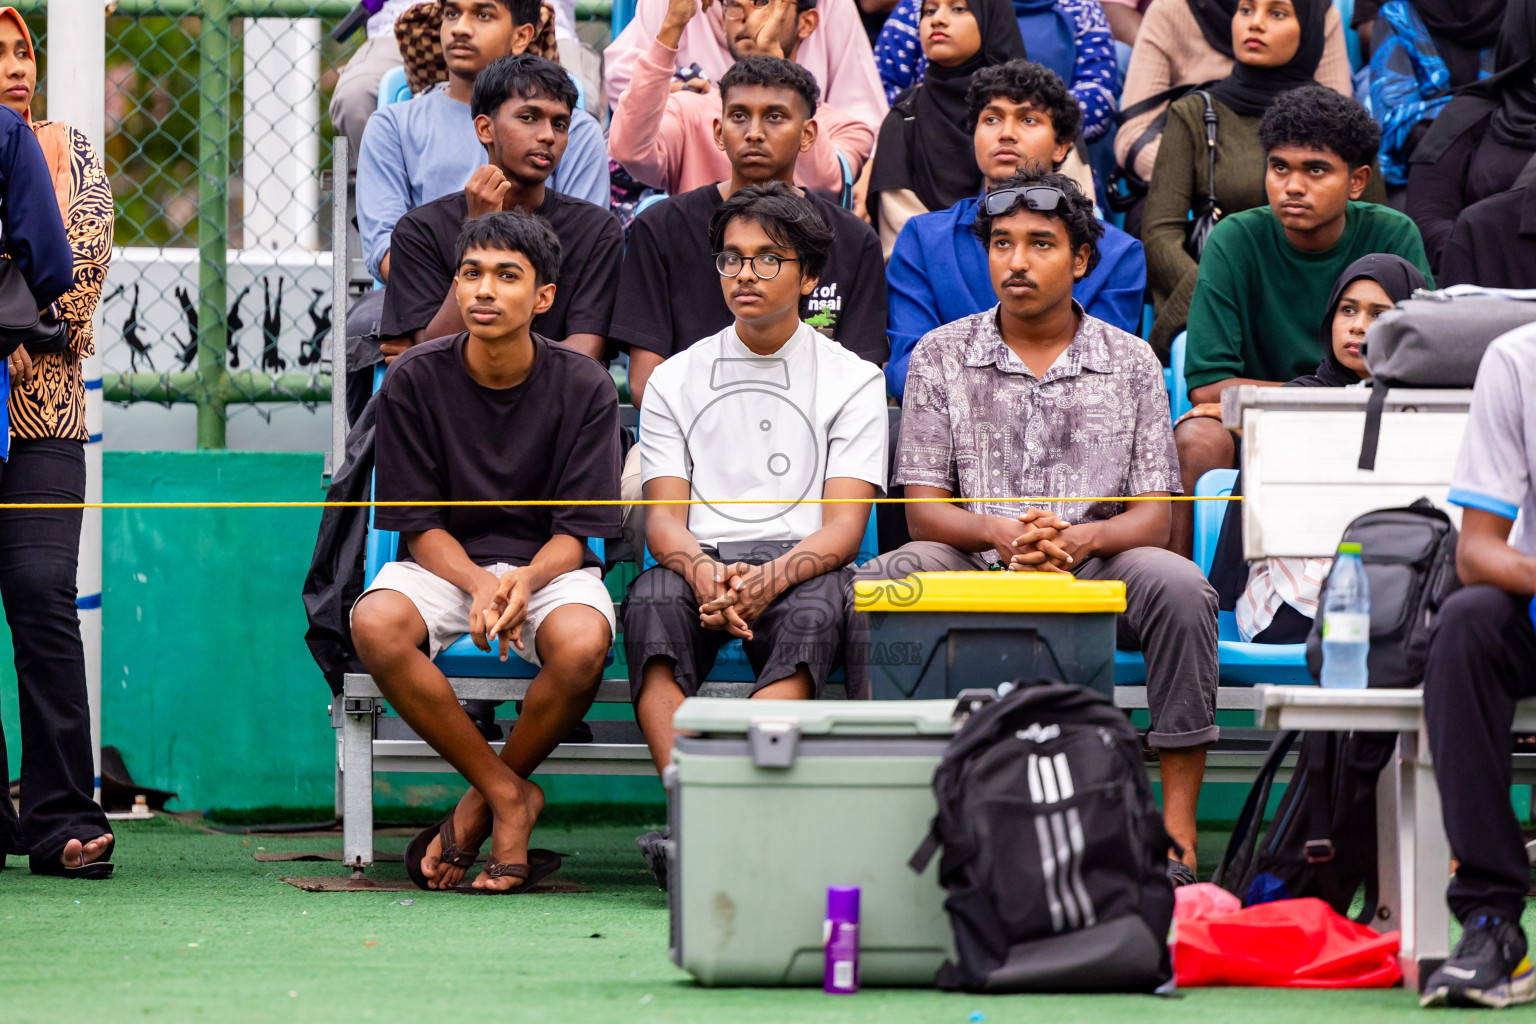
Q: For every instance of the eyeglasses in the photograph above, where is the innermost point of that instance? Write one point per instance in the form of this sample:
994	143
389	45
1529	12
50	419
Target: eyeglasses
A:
1040	198
765	266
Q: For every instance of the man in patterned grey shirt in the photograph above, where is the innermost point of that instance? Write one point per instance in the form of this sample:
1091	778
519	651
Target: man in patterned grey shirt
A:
1035	398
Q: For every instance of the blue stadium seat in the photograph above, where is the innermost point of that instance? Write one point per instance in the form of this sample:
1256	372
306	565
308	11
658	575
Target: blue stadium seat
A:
393	88
1242	664
1178	395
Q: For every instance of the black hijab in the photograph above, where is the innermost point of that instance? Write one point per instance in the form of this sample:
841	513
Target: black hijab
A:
924	143
1397	277
1215	19
1250	91
1509	94
1462	29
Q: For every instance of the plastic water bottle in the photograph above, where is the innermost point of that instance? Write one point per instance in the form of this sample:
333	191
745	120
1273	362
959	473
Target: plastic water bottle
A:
842	941
1347	622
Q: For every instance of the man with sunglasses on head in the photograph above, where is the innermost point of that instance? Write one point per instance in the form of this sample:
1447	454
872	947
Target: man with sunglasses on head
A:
664	136
1034	398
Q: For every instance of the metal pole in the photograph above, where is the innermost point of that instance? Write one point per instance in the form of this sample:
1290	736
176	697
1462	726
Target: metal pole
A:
213	131
77	42
338	301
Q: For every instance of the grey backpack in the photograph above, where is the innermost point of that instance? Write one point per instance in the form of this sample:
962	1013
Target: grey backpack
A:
1436	340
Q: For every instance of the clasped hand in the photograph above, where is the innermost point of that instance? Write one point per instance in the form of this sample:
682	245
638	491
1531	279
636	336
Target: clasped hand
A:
732	596
500	608
1045	545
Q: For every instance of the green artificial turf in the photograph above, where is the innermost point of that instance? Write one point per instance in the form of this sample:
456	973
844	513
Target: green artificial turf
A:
192	928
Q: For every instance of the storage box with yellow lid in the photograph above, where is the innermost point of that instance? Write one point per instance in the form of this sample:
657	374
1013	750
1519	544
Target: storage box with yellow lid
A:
934	634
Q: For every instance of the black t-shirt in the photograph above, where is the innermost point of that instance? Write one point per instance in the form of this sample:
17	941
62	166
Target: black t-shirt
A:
670	295
440	435
423	257
1493	243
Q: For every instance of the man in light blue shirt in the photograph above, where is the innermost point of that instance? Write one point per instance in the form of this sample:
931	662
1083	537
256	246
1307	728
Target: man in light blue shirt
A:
426	148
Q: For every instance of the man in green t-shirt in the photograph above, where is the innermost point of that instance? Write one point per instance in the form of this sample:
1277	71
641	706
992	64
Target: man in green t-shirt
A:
1266	273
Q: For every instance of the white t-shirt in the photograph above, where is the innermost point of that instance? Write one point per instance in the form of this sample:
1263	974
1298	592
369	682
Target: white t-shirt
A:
1497	465
742	426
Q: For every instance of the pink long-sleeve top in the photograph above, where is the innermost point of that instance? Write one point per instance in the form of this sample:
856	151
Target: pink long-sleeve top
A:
837	55
666	139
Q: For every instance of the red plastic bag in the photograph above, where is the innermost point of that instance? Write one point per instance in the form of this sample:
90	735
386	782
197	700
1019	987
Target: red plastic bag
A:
1286	944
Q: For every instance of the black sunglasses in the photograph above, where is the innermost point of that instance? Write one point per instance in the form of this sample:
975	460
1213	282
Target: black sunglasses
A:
1040	198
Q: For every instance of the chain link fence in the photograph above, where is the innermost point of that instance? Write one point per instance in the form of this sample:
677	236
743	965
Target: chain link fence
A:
219	292
218	146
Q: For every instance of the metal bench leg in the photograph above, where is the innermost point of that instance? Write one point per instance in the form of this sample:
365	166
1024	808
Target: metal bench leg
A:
1425	857
1389	894
357	776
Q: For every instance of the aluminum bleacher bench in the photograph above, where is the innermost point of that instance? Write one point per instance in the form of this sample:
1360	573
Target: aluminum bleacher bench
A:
1413	854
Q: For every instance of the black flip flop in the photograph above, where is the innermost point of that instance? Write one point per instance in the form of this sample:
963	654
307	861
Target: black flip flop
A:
451	853
54	868
541	864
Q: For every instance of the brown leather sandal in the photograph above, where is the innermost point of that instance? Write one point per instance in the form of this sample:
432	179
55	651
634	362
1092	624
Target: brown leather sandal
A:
451	854
541	864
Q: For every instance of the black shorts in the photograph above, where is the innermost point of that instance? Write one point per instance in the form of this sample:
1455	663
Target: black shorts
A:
803	626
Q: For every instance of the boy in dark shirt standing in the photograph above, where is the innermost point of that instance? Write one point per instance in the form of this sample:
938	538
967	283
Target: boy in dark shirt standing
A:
1266	273
522	107
496	412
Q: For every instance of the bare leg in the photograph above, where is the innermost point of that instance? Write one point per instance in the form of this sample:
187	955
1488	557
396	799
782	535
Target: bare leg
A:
660	697
1182	772
573	643
388	632
1204	444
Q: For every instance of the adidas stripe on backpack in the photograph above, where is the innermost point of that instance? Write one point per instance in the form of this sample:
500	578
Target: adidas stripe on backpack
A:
1054	853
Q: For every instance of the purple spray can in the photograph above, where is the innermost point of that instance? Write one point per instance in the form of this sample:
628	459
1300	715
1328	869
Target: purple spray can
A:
842	941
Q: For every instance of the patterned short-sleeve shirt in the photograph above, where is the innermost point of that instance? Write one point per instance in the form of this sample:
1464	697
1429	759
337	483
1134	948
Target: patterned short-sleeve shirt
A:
976	422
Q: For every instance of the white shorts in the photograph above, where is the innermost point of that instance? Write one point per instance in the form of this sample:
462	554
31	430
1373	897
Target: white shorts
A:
445	608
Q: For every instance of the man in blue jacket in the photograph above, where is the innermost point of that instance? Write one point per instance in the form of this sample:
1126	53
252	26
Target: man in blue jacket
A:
1024	119
31	228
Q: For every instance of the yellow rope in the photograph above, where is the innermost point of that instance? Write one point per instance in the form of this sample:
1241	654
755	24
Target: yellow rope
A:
554	503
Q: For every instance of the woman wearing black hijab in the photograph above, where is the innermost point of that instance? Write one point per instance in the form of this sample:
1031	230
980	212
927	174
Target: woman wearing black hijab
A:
1278	45
924	158
1275	600
1482	140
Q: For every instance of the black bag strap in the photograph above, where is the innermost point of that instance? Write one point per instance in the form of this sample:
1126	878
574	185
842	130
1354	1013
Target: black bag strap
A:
1372	436
1210	149
1133	181
1245	835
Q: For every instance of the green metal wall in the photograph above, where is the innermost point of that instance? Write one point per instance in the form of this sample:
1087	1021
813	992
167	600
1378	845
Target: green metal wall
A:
207	686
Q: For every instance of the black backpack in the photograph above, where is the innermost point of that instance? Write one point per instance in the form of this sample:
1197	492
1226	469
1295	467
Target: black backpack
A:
1409	556
1322	841
1055	856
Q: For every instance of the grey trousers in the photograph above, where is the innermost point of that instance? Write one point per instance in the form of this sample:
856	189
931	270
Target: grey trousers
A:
1170	616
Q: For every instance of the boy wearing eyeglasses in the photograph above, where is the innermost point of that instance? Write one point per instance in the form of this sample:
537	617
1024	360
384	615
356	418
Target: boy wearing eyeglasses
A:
1035	399
756	425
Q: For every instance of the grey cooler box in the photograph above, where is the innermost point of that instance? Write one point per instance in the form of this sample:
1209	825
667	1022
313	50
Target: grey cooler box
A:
772	802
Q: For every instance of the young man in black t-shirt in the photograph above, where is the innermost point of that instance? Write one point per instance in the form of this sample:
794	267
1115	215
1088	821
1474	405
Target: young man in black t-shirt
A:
667	299
496	412
522	107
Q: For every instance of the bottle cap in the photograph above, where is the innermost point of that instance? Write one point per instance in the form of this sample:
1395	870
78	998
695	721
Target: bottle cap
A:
1349	547
843	903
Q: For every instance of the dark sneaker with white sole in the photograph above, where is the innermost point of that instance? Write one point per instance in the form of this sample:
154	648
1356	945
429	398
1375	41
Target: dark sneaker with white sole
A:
653	847
1488	968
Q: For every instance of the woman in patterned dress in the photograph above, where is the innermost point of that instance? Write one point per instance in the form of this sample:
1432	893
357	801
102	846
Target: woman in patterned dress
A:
61	826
